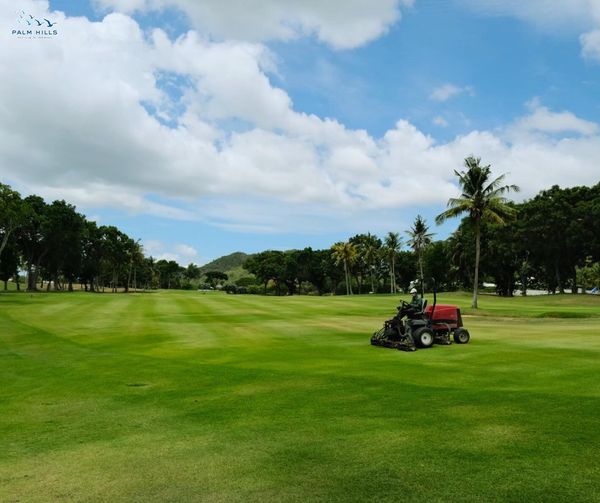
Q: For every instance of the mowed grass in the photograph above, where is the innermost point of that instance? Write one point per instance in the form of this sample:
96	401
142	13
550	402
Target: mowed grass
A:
174	396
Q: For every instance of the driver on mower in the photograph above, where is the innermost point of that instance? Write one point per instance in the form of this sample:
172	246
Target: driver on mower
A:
416	302
418	325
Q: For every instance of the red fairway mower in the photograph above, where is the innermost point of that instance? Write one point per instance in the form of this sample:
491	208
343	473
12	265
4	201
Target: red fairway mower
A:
414	328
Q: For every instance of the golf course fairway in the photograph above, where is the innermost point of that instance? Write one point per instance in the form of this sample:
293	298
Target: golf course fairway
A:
184	396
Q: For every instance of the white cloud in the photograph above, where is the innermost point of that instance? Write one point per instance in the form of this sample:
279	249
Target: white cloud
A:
74	125
447	91
543	120
354	24
183	254
590	45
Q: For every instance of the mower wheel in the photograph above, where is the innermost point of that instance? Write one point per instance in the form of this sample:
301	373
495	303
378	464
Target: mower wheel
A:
423	337
461	336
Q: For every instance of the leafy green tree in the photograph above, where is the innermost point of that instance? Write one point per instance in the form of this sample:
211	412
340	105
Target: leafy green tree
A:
435	264
267	266
117	248
406	268
192	272
482	199
561	229
63	236
169	272
545	220
461	254
91	256
148	274
419	240
9	267
11	214
305	266
31	239
215	278
502	256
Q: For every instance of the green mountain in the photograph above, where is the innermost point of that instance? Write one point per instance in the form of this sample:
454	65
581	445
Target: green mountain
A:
226	263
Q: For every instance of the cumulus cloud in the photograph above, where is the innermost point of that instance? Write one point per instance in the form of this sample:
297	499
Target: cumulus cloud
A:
108	116
358	22
181	253
542	120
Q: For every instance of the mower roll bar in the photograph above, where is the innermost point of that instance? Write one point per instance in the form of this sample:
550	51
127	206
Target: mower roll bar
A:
434	296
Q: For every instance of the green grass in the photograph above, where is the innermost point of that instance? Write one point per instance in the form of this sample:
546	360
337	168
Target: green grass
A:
189	397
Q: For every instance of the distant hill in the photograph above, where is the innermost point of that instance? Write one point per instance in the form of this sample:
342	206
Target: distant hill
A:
226	263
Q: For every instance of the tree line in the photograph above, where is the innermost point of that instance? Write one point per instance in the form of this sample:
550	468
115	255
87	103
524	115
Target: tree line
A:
56	246
550	242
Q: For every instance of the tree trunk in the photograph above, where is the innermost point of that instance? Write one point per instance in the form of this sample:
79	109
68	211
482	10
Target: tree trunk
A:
128	278
31	278
477	254
346	277
18	281
561	288
5	284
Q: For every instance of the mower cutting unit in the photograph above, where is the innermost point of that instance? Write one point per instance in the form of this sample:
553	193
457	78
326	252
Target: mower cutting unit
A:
414	328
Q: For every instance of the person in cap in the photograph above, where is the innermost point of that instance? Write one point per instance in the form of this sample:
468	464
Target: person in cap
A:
416	301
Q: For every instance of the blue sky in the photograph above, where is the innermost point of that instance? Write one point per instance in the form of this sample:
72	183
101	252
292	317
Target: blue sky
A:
203	129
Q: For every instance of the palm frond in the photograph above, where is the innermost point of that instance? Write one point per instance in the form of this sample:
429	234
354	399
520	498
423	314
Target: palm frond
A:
480	197
494	184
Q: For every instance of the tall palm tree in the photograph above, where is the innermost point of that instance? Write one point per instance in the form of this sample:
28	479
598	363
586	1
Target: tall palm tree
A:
345	253
392	246
483	200
419	240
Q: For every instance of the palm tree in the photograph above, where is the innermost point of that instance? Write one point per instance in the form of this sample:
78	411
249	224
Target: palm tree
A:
482	200
419	240
392	246
345	253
